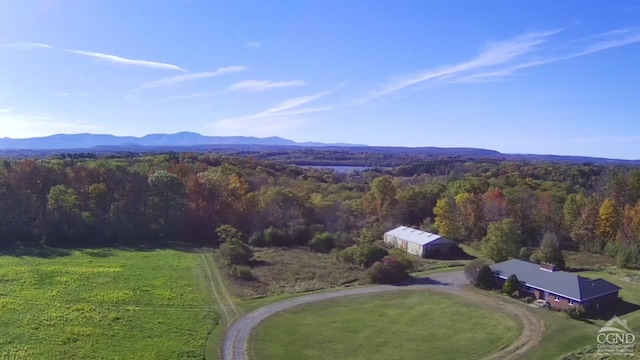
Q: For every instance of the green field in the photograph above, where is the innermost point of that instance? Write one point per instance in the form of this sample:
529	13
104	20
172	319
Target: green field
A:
105	304
401	325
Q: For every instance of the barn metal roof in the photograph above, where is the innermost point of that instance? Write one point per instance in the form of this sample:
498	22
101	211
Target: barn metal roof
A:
569	285
417	236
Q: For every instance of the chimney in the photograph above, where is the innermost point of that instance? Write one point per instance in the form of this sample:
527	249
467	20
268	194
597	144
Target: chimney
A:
545	266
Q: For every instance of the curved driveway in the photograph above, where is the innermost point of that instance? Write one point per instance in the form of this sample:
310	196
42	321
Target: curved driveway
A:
237	335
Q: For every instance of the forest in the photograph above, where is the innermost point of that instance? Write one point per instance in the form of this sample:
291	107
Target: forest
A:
155	200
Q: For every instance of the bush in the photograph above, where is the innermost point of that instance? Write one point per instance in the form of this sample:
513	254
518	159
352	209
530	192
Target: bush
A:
235	252
242	272
511	285
362	255
276	237
612	248
486	280
298	235
524	253
534	258
628	257
322	242
258	240
343	240
228	232
576	312
472	270
348	255
369	254
387	271
408	261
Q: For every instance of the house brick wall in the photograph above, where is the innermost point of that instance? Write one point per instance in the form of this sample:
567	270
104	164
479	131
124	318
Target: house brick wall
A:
606	301
562	303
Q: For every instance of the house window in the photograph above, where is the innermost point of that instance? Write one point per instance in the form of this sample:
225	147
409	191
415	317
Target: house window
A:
571	303
556	298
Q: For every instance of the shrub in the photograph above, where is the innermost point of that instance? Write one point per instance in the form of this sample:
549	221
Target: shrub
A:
228	232
369	254
298	235
322	242
408	261
387	271
343	240
258	240
534	258
362	255
628	257
276	237
511	285
612	248
524	253
486	280
235	252
242	272
576	312
348	255
472	270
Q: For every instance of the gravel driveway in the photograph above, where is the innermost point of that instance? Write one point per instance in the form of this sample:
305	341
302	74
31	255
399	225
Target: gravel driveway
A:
237	335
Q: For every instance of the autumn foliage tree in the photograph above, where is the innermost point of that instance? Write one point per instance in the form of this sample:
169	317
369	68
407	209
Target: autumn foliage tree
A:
502	241
511	285
445	220
608	220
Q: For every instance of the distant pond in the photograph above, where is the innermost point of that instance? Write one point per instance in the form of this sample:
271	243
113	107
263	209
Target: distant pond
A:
343	169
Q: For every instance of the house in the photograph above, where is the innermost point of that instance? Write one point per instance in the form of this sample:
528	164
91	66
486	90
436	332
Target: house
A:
560	289
420	243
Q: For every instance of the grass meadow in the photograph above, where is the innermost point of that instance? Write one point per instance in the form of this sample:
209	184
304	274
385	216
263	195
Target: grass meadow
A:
105	304
400	325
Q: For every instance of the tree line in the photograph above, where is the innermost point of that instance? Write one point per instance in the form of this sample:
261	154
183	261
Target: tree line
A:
503	205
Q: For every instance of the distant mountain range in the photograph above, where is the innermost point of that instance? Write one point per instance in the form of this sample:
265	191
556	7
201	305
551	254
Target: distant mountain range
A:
88	141
244	145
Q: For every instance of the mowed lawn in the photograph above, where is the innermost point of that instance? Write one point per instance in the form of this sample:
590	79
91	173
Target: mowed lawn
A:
105	304
399	325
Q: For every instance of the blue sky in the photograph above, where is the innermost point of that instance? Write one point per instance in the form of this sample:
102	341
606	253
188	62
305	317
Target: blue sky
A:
549	77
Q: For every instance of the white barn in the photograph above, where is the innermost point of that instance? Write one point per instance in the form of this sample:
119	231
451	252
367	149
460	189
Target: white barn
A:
420	243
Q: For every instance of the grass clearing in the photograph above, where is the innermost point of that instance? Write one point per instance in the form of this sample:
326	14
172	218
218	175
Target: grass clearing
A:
385	326
298	270
294	270
97	304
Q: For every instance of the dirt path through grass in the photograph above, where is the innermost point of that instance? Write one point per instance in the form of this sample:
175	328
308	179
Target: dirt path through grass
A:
219	291
234	346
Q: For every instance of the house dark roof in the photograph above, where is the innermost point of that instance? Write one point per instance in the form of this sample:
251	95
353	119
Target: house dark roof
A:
562	283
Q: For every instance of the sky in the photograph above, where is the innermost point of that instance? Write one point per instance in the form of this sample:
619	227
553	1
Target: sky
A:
542	77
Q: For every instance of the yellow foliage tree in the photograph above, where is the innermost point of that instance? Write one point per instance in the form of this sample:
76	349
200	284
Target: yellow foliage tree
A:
608	220
445	212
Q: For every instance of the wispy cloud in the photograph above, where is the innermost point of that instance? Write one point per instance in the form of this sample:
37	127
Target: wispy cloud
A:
496	53
65	94
129	62
281	116
264	85
610	39
252	44
607	139
21	125
193	96
5	110
25	46
174	80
